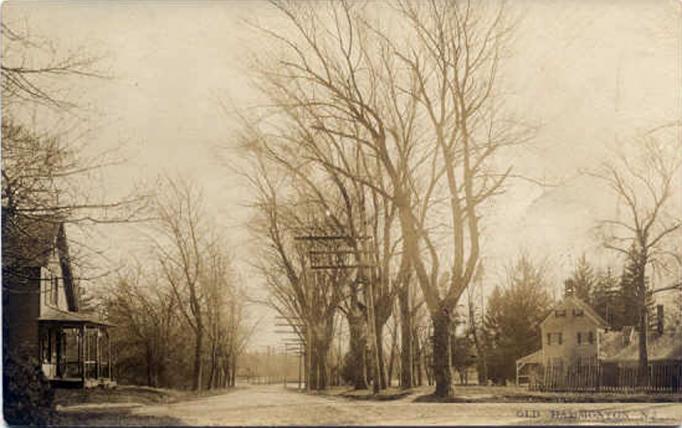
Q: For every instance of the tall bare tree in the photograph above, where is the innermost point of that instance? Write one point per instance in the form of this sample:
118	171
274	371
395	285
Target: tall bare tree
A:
646	232
306	298
181	254
421	105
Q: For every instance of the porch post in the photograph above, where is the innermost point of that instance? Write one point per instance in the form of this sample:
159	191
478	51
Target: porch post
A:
110	360
97	358
82	351
58	346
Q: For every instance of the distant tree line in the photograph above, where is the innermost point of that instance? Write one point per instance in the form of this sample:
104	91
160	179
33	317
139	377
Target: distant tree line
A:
179	319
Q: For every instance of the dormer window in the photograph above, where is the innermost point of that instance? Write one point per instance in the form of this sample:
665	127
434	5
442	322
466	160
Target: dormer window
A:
578	312
560	313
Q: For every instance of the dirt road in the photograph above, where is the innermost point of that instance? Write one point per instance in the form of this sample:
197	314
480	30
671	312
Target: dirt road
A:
273	405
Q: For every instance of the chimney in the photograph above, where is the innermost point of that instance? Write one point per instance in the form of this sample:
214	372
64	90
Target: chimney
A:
659	319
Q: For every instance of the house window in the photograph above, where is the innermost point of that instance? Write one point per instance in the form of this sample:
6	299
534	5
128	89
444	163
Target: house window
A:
560	313
55	291
578	312
52	290
580	337
590	337
554	338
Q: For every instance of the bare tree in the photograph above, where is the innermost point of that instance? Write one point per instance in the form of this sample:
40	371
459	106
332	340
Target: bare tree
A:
645	232
181	256
47	175
307	299
221	300
145	316
426	117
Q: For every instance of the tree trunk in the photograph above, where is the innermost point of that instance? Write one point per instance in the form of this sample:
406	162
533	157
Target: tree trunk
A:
643	369
323	378
233	369
379	331
406	348
319	373
197	372
212	372
358	344
441	354
226	371
150	365
417	359
392	356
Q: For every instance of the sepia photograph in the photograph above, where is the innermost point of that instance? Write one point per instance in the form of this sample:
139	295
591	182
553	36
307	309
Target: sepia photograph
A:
341	212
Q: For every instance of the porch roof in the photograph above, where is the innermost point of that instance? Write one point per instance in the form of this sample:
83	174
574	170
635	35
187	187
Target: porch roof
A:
57	315
534	358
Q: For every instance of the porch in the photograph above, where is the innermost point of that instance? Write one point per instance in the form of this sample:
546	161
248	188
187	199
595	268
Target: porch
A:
75	350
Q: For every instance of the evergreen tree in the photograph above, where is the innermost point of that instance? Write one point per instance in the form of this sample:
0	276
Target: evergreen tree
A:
632	293
513	318
606	299
582	280
492	331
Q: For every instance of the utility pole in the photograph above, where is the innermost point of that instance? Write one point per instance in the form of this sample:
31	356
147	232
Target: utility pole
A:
299	330
328	259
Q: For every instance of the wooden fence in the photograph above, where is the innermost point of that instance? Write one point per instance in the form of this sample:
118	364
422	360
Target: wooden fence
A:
594	375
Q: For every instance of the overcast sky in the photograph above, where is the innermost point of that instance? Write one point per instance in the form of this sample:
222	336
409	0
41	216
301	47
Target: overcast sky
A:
592	74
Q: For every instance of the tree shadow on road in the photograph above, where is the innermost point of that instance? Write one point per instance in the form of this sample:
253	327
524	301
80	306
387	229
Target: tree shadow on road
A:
118	417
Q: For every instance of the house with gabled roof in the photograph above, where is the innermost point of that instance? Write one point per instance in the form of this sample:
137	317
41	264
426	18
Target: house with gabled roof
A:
580	353
41	314
570	332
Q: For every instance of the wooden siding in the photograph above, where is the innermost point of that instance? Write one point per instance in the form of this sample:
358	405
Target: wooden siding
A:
21	295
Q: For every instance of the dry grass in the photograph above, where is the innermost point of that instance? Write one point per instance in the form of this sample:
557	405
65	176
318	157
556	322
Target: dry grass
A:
366	394
113	407
498	394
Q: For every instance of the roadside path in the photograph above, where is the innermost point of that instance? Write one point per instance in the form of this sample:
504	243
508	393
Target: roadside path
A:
273	405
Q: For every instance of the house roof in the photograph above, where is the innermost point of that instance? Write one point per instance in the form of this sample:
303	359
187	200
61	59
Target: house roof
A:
29	241
534	358
612	342
587	310
664	347
56	315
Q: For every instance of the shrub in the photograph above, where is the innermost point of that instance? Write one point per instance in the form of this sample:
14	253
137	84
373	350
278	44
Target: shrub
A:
28	398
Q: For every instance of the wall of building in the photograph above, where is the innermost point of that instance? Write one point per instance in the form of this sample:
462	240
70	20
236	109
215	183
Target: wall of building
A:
53	268
569	350
21	308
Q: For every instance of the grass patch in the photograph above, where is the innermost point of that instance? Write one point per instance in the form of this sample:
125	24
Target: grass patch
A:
350	393
113	418
514	394
120	394
592	397
114	407
130	394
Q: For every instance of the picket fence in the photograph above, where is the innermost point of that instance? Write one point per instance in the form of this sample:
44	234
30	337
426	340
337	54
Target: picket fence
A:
601	376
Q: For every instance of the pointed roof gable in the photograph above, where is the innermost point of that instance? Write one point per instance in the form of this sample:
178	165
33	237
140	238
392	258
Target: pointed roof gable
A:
587	310
29	241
